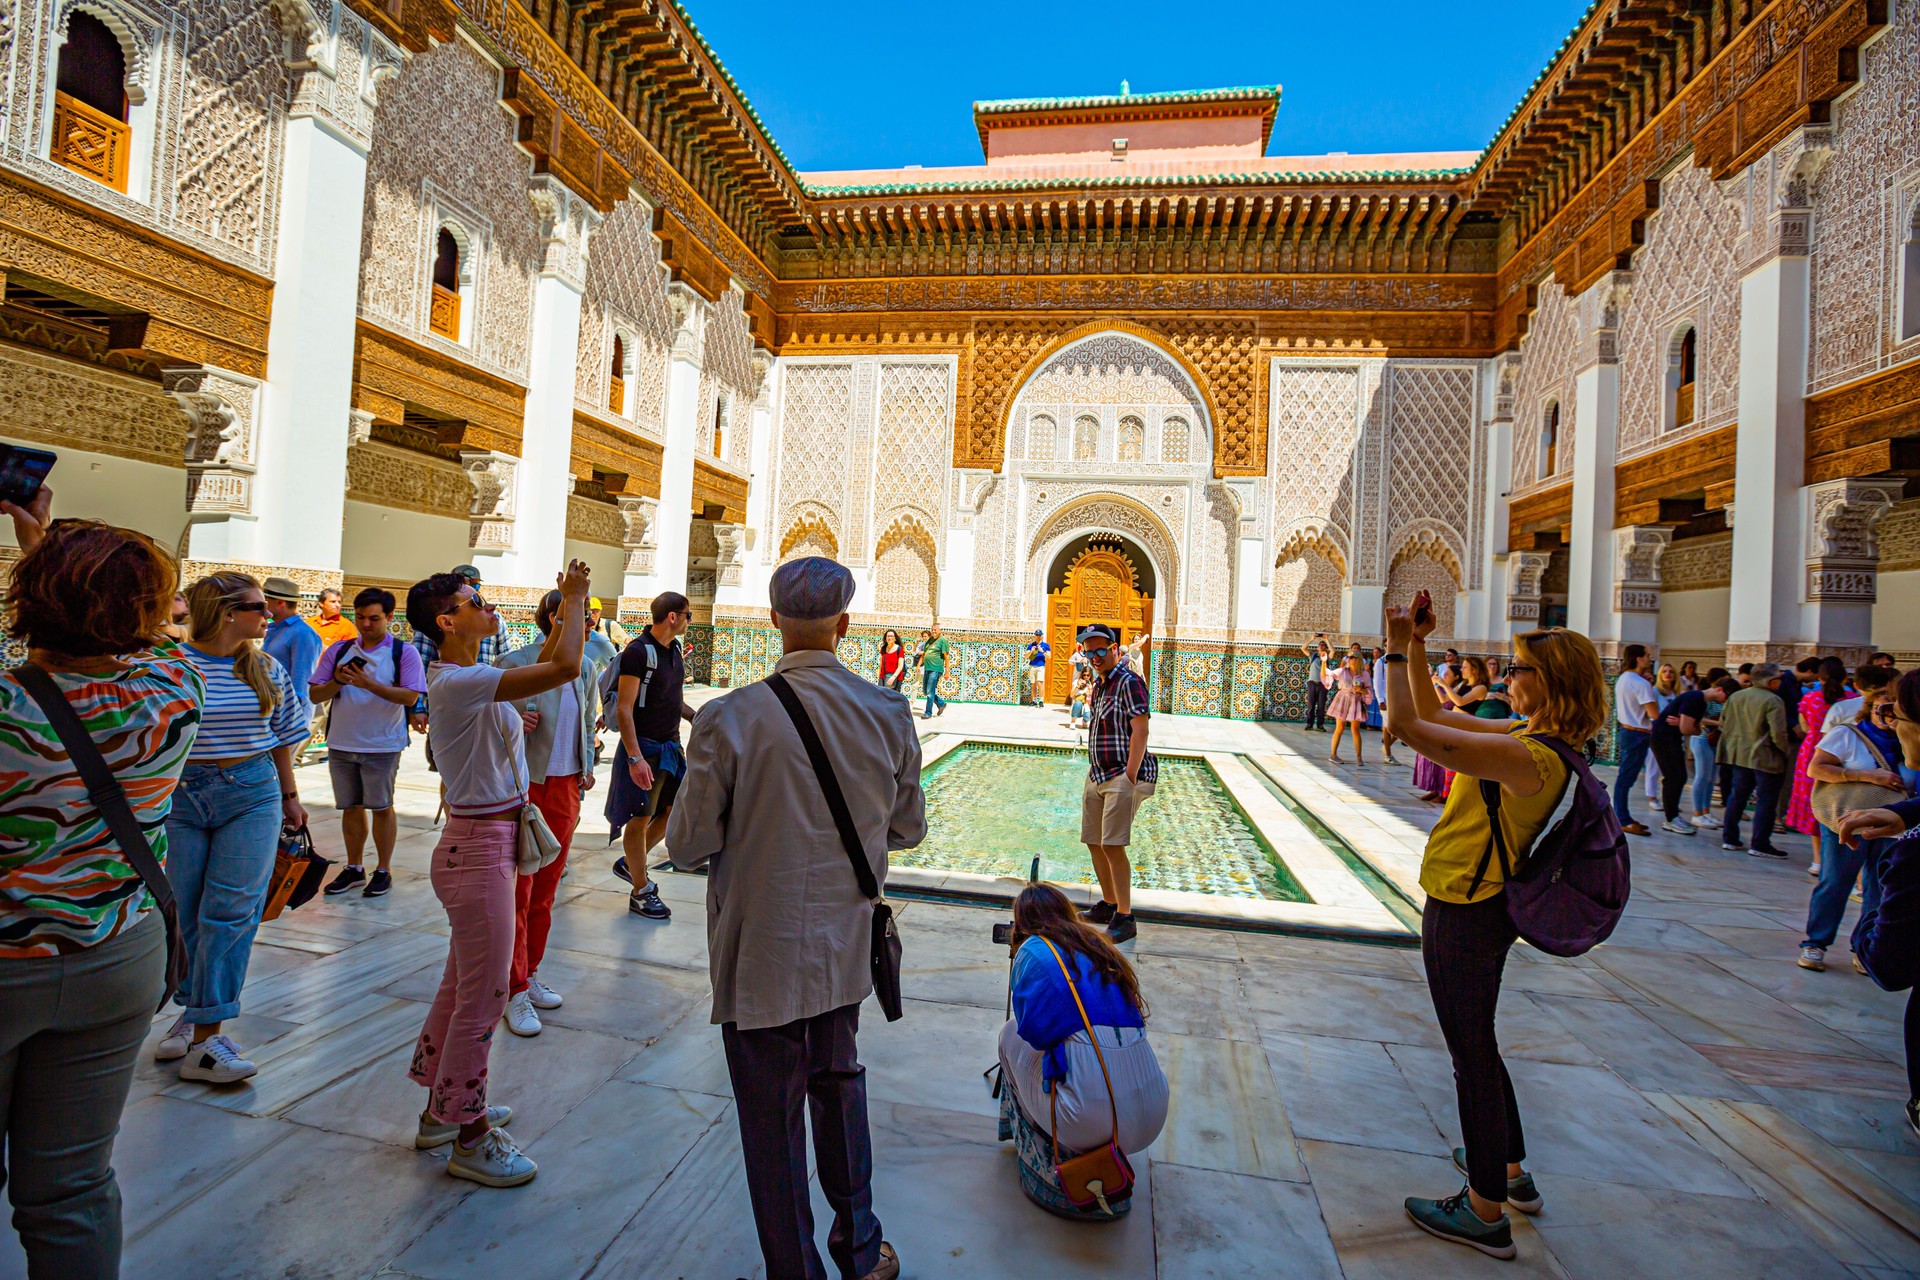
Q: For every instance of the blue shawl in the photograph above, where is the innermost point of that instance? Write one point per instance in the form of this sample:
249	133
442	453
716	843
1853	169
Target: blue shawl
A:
1043	1008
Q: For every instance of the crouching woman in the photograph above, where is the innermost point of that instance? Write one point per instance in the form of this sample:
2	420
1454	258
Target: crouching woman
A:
1058	1081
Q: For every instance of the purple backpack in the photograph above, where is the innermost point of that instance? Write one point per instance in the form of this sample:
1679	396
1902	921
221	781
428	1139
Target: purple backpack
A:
1568	892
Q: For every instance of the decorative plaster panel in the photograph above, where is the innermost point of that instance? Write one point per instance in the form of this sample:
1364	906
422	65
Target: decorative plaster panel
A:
1548	356
70	406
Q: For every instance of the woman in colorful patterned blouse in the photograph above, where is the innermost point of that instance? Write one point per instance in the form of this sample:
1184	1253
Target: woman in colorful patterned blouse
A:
235	795
82	956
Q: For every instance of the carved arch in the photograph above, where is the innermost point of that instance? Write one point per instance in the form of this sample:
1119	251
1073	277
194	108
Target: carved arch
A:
135	32
906	536
1433	540
1151	337
1089	513
810	525
1308	536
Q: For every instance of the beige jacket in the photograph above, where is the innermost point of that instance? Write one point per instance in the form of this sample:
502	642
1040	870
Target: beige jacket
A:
788	934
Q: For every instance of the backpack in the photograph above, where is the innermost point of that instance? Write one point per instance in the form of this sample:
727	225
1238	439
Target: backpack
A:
610	678
1570	890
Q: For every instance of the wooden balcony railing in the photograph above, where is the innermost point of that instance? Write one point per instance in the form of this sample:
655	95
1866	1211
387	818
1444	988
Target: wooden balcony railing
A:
89	141
444	318
1683	405
617	395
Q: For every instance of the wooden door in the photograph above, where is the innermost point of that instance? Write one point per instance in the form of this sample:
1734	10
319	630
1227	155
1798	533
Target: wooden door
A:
1101	586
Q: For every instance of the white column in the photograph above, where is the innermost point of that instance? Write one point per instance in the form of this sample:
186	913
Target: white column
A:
750	589
1596	418
1363	610
536	550
1770	456
956	580
1253	575
674	515
1487	607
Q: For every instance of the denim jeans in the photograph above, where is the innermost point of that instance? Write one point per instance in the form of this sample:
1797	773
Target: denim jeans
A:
221	838
1838	867
70	1033
1632	744
930	685
1765	787
1703	772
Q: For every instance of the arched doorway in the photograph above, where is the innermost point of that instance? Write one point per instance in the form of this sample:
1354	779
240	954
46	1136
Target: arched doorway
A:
1098	578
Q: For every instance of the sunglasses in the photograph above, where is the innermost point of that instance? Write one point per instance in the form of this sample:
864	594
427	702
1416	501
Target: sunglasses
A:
1515	668
476	601
248	606
1099	653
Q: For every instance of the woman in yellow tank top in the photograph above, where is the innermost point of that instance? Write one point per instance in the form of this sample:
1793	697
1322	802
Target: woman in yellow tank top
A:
1556	682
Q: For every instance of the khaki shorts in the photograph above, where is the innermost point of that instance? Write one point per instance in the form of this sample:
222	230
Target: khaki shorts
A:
1107	809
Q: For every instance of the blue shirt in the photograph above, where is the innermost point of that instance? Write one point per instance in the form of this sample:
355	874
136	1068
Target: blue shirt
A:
296	647
1037	652
1044	1013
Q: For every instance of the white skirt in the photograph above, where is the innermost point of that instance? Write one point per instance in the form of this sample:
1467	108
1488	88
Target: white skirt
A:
1084	1116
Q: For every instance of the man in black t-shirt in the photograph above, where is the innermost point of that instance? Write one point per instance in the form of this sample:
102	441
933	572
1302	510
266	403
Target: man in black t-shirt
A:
1671	729
649	704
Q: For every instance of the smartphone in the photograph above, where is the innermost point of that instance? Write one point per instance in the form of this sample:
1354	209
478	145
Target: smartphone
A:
22	472
356	662
1423	608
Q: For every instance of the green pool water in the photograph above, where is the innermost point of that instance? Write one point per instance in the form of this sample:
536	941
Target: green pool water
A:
992	807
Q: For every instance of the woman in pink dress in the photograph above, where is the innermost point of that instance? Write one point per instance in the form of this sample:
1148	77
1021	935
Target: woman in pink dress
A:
1354	693
1814	703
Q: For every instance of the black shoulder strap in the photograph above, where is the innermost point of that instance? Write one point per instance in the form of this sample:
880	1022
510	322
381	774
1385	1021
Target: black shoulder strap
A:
1497	842
823	770
110	799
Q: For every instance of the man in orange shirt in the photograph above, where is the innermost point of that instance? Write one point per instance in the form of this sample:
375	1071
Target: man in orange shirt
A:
332	625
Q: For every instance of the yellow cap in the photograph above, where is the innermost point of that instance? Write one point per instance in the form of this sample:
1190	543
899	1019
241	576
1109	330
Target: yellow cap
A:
593	602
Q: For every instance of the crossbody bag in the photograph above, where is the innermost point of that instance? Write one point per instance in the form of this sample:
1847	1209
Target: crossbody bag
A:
110	800
535	845
1832	801
884	959
1101	1176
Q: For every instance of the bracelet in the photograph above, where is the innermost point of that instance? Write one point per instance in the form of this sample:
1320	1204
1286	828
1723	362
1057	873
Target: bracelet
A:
1393	657
289	795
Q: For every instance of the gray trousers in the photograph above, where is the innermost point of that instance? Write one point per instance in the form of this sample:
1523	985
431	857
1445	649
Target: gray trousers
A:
70	1033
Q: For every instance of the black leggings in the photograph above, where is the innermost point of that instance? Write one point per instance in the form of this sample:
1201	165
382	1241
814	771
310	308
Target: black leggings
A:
1671	751
1465	950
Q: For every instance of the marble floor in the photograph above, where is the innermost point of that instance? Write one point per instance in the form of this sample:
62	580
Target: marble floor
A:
1696	1106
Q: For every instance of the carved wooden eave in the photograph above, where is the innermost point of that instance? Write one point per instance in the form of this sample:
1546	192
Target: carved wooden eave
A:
1671	486
621	461
1540	520
395	378
1869	427
198	310
719	494
1640	84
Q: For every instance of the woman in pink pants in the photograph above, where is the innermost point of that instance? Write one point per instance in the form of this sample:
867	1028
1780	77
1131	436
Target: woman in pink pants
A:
478	744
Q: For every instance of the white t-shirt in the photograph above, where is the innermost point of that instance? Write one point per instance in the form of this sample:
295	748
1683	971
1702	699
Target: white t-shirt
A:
1850	748
566	735
1633	693
478	744
1844	712
362	720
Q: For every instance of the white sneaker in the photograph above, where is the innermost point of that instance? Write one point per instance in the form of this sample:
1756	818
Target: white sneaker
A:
542	995
1814	958
492	1162
522	1020
176	1042
1679	827
216	1060
434	1134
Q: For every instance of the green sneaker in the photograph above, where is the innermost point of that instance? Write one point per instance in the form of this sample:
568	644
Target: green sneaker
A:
1521	1193
1454	1219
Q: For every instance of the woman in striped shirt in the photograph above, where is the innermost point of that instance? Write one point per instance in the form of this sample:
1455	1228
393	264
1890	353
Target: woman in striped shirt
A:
236	793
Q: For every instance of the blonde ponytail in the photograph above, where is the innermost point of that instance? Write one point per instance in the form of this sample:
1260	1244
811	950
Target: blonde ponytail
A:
207	602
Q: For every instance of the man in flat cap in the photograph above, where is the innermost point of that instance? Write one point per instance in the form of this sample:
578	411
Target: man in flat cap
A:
788	928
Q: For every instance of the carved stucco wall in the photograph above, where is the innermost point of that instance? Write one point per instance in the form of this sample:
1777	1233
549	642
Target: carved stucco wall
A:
1547	356
68	406
1698	564
443	149
218	89
1899	535
727	365
389	476
1306	593
1435	460
1316	415
1419	569
906	581
1863	202
626	291
810	472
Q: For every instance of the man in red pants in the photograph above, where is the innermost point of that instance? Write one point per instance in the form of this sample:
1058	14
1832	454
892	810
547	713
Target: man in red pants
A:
559	729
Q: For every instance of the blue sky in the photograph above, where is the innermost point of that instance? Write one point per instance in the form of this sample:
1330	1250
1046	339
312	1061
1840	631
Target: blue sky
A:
872	86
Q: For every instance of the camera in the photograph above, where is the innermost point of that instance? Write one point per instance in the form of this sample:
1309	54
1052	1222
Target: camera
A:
1003	933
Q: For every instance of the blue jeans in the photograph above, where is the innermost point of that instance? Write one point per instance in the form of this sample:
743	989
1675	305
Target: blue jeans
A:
1765	788
1838	867
221	838
1633	744
1704	769
930	685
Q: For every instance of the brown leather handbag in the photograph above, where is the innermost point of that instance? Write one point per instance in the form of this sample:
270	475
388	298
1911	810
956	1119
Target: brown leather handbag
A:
1102	1176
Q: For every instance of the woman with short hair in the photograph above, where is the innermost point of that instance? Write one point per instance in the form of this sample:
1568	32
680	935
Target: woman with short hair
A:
1555	682
83	956
1062	1090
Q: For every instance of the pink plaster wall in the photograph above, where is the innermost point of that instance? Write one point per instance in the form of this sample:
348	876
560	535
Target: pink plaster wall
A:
1230	138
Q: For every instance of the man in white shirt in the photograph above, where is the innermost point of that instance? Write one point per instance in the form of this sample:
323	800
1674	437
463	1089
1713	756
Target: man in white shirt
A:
1635	703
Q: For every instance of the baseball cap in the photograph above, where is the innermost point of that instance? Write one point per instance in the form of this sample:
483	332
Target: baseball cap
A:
593	602
1097	631
281	589
467	571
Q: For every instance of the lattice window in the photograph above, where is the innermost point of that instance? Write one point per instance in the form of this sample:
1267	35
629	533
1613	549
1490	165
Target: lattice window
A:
1133	439
1175	435
91	134
1549	440
905	580
1682	366
1086	438
447	312
1910	277
1040	438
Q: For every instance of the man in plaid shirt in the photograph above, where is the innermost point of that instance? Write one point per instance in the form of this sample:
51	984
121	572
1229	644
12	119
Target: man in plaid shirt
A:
1120	775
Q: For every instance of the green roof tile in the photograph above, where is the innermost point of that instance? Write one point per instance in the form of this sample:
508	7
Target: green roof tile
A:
1005	105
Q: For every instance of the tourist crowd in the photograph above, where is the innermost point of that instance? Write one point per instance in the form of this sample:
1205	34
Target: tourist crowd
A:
149	801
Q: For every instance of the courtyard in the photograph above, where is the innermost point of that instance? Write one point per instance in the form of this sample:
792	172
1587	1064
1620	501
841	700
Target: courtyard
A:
1695	1105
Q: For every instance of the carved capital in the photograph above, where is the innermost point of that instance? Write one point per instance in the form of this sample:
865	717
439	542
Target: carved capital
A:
732	542
1637	550
338	91
1776	196
220	441
359	426
1526	576
1843	546
1598	313
567	223
1506	374
689	314
970	494
760	379
642	518
493	478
